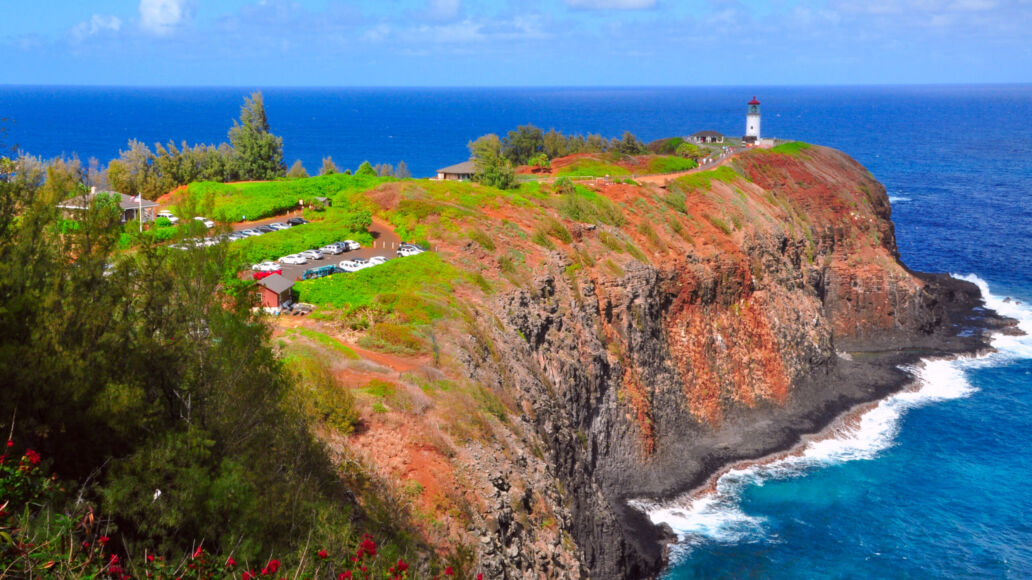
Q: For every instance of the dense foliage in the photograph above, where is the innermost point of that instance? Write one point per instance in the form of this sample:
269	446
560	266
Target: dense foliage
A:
147	380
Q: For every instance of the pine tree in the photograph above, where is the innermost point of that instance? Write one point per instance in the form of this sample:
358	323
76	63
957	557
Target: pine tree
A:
257	153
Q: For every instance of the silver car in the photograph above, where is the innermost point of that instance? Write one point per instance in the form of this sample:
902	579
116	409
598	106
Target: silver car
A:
312	254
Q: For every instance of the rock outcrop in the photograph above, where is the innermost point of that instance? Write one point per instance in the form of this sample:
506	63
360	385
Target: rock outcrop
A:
711	326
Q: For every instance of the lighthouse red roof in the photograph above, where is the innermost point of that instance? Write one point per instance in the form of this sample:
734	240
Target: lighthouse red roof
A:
754	101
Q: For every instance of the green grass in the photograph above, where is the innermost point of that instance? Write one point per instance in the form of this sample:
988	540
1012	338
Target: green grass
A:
670	164
588	167
328	341
586	206
666	146
336	225
413	289
704	179
231	202
792	148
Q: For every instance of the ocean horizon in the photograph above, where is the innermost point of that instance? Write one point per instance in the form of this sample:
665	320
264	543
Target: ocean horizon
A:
932	482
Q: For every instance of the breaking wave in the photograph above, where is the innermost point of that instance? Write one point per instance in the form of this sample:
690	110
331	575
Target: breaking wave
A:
715	515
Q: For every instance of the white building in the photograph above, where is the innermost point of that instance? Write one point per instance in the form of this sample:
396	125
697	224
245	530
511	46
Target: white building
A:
752	122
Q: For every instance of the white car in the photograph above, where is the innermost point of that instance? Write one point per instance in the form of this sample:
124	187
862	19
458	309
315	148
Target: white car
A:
167	215
312	254
293	259
334	248
350	266
250	233
207	222
279	226
351	245
377	260
409	250
266	266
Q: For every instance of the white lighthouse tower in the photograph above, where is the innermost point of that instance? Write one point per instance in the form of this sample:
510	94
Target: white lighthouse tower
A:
752	122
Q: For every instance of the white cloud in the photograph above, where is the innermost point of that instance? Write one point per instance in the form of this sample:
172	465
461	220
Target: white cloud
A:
611	4
163	16
96	23
443	9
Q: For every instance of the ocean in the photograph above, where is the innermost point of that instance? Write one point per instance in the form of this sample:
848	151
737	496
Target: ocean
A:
931	483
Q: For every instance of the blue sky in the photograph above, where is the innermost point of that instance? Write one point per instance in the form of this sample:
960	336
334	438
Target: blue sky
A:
514	42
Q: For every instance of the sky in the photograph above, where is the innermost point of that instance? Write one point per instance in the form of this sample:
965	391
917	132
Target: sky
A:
514	42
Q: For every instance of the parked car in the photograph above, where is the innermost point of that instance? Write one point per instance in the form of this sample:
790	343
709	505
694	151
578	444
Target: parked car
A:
235	236
351	244
334	248
409	250
260	275
251	232
377	260
266	266
363	263
279	226
265	229
167	215
350	266
312	254
207	222
293	259
296	221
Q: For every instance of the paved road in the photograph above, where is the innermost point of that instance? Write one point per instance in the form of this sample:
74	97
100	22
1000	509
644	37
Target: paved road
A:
385	243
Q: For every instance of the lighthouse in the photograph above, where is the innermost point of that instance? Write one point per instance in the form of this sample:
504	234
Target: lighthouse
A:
752	122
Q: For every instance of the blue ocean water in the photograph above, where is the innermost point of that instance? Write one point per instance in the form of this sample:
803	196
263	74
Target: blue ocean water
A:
930	484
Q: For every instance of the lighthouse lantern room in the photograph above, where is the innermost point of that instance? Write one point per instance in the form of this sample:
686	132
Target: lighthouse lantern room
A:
752	122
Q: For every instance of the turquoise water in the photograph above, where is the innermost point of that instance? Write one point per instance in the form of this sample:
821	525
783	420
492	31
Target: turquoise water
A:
933	484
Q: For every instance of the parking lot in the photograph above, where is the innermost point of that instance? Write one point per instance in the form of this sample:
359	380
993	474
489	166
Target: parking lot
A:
385	243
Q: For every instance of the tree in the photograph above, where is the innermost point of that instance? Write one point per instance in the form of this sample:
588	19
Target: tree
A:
401	171
366	169
520	145
257	153
630	145
297	171
384	169
492	168
328	166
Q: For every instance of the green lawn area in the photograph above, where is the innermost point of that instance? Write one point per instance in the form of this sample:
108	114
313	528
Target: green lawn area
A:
670	164
336	225
231	202
407	290
703	179
792	148
592	168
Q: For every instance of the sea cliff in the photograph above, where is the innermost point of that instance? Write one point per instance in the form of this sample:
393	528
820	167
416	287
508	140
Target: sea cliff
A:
764	299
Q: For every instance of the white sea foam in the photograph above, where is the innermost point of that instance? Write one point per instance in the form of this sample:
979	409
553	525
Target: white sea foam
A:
898	198
717	516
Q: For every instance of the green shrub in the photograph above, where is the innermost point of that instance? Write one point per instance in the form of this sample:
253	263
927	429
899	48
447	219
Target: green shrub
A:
792	148
395	338
554	228
481	238
676	201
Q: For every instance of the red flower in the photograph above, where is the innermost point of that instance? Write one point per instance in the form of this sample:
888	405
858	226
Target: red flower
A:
344	575
114	558
103	540
32	456
274	565
402	566
480	577
230	562
150	557
85	545
323	554
10	443
448	571
249	575
198	552
364	569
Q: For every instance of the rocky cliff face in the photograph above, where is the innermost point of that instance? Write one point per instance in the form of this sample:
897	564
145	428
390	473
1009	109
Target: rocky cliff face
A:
713	325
